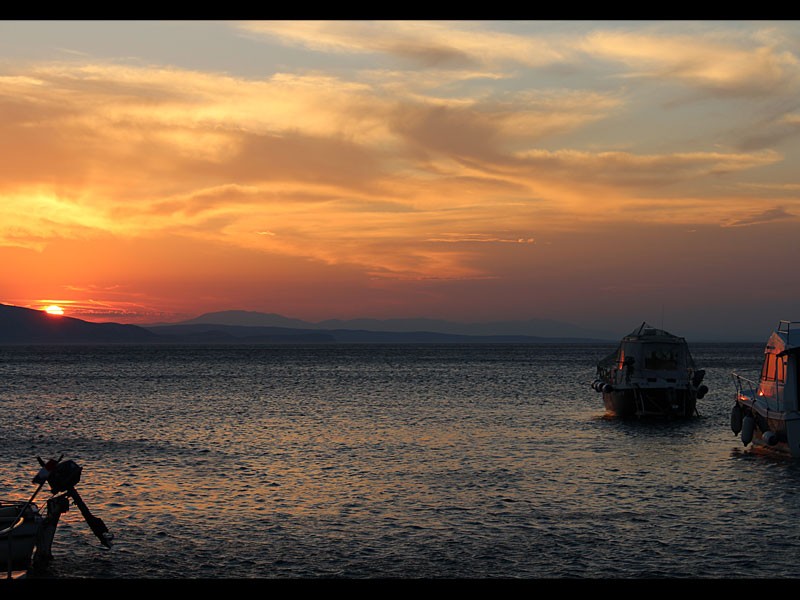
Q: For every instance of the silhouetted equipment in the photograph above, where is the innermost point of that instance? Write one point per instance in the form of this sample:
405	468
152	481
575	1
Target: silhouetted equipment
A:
26	533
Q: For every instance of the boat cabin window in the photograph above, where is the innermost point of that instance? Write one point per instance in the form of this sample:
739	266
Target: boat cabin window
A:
661	358
774	368
626	356
621	358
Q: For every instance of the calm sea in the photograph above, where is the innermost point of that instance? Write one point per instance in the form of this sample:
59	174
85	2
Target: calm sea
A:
430	461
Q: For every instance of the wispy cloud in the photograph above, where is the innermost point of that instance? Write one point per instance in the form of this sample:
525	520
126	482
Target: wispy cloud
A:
427	43
717	62
627	169
771	132
711	58
767	216
478	238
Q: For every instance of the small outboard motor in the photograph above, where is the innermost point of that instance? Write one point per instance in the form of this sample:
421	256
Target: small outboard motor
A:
65	476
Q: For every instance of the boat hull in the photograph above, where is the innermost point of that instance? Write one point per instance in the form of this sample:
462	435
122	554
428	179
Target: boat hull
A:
656	402
776	431
17	545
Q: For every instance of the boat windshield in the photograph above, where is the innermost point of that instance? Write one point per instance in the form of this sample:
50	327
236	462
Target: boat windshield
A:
663	357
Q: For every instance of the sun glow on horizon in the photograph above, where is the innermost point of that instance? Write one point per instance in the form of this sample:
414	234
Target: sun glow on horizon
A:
54	309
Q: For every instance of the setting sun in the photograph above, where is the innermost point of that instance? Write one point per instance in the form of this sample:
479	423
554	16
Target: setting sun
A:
54	310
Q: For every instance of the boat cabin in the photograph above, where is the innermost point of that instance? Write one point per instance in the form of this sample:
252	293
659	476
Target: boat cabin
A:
778	383
650	354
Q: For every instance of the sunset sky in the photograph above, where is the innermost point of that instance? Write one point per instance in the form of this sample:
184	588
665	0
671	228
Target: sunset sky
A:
601	173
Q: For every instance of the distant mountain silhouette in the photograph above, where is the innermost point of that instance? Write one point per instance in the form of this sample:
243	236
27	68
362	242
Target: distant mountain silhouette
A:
539	328
26	326
216	333
246	318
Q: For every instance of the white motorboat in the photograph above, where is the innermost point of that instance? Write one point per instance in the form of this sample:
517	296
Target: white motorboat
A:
651	373
766	413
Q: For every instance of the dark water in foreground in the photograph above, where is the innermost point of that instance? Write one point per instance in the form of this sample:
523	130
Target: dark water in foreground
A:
390	462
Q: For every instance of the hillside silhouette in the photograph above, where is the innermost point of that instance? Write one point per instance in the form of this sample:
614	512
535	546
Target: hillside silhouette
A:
27	326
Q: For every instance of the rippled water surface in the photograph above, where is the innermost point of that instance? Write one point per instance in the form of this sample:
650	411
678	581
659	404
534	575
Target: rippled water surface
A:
452	461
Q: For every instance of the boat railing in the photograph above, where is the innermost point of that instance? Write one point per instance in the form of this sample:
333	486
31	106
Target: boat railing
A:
786	326
12	515
744	386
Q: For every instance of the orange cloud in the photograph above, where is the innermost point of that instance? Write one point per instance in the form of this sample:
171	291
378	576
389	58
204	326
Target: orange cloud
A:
430	43
719	63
